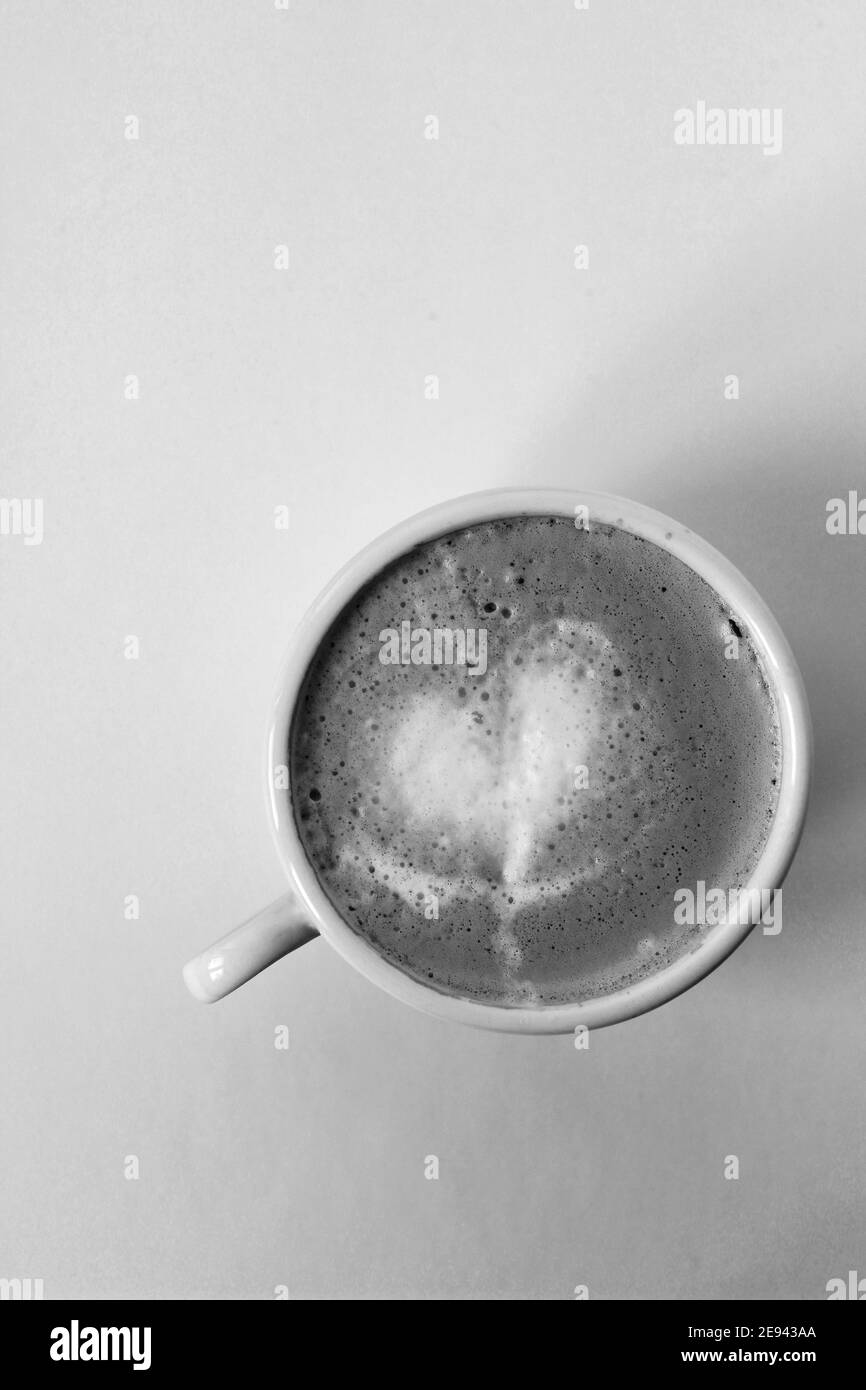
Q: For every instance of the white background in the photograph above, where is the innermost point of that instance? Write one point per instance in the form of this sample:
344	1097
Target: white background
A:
408	257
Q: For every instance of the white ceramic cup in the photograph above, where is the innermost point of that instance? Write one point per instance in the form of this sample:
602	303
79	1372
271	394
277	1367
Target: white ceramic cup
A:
306	912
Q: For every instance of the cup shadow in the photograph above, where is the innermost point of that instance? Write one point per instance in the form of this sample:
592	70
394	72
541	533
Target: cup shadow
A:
753	476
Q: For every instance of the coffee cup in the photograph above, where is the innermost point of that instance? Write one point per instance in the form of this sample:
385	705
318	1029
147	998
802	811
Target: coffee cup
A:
307	910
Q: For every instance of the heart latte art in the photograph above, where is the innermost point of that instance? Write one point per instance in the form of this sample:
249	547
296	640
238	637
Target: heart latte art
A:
515	831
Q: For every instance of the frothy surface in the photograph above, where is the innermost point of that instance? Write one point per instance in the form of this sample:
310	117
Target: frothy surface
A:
516	834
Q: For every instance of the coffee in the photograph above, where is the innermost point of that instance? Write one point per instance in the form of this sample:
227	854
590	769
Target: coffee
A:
516	743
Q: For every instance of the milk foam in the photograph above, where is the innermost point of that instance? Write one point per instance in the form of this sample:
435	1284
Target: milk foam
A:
496	787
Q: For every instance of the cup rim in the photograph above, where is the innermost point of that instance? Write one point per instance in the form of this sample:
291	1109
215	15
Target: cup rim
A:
736	593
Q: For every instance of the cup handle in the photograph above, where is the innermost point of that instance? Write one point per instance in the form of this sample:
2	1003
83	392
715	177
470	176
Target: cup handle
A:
251	947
